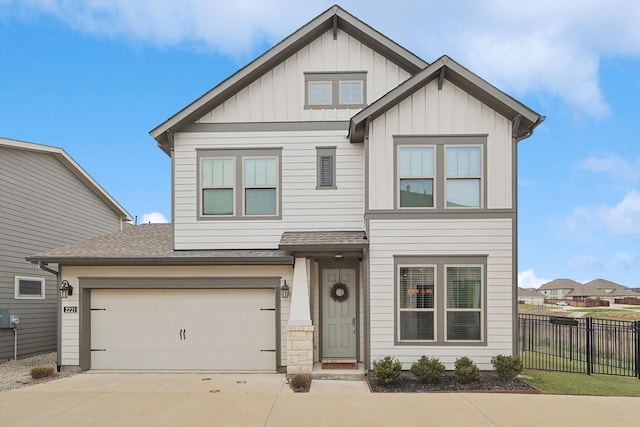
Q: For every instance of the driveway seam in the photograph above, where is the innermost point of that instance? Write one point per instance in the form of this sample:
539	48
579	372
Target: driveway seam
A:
486	417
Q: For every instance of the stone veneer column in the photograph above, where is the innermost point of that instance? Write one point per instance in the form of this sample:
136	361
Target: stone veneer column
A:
299	349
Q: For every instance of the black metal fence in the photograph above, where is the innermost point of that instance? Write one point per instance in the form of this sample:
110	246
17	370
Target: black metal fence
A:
591	346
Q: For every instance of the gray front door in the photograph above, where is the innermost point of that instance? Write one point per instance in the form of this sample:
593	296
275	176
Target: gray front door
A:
339	319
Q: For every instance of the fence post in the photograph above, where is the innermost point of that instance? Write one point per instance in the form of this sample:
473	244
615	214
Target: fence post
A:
636	337
589	342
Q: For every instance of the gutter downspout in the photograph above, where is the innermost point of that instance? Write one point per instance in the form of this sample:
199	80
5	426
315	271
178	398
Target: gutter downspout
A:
43	266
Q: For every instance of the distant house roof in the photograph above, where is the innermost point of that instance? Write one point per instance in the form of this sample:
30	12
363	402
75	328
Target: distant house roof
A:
335	17
523	292
73	167
601	288
560	284
524	119
151	244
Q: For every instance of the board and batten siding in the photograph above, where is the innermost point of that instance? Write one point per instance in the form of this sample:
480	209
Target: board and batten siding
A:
279	95
70	351
304	208
43	205
491	237
450	111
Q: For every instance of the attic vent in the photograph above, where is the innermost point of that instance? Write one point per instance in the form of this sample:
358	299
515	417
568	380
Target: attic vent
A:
326	165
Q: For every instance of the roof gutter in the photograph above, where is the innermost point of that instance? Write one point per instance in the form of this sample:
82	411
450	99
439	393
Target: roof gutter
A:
531	129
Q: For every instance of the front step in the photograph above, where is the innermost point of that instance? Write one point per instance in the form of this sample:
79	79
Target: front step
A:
356	374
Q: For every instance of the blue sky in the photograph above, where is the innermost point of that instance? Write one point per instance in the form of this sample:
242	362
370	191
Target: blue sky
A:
95	76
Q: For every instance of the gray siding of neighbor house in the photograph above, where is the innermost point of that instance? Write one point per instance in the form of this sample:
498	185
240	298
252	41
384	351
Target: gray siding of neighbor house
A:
43	205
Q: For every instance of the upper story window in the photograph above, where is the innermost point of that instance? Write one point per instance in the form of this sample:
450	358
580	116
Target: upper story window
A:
440	172
239	184
29	287
335	90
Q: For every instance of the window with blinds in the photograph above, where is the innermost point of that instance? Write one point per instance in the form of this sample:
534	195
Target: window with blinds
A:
417	303
464	303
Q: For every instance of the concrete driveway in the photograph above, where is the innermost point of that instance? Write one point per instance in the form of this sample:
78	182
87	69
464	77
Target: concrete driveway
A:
117	399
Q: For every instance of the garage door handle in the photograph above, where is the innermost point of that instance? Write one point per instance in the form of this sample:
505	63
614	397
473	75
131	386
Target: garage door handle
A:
182	337
268	350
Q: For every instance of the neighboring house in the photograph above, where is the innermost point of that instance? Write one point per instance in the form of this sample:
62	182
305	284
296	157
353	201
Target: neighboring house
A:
338	198
530	296
46	200
601	289
558	288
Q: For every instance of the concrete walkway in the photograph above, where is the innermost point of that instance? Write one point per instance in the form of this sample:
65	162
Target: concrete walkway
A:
116	399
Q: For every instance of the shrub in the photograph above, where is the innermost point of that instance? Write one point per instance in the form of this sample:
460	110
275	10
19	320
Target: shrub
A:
42	372
466	371
386	371
506	367
300	382
428	369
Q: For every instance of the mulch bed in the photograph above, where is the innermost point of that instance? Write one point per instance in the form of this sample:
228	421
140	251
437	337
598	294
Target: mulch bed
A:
488	383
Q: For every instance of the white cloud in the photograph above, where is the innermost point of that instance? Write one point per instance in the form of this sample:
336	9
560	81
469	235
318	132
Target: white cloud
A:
526	47
528	279
623	172
582	262
622	220
153	217
625	260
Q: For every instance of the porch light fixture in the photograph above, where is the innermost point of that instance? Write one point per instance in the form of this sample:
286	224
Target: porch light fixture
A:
284	290
66	290
338	256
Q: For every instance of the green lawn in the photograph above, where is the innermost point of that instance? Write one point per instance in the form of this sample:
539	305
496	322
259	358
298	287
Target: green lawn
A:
582	384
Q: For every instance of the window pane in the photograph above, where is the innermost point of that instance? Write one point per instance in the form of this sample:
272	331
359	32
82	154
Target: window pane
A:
416	325
259	172
416	287
463	193
463	325
217	202
351	92
416	193
217	172
463	161
319	93
464	287
260	201
30	287
416	161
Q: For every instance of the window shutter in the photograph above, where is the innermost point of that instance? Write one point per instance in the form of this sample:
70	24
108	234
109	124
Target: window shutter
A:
326	171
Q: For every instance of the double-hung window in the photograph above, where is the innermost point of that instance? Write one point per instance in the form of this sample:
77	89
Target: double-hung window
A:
239	184
440	172
343	89
440	300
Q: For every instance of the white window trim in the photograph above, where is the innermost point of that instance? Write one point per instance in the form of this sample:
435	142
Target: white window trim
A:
17	294
359	101
432	310
478	177
431	177
216	187
471	310
245	187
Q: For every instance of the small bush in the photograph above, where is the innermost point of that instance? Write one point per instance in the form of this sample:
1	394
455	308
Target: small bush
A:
428	369
466	371
300	382
506	367
386	371
42	372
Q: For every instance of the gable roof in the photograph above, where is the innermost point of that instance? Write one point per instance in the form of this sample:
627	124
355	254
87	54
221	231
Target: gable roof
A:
525	119
335	17
560	284
526	292
73	167
151	244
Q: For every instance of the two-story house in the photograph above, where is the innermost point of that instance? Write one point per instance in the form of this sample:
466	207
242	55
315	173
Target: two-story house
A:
337	199
46	200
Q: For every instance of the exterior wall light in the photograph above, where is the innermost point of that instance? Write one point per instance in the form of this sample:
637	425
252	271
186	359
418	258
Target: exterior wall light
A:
66	290
284	290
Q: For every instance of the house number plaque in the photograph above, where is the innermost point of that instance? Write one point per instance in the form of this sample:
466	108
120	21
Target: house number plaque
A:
71	309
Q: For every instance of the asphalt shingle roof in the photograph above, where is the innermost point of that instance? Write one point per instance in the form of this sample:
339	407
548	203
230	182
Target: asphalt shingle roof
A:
153	244
353	239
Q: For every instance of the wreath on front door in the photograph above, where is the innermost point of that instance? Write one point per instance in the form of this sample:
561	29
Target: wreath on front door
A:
339	292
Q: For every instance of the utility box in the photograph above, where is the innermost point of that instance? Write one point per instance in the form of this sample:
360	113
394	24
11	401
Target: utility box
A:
5	318
14	320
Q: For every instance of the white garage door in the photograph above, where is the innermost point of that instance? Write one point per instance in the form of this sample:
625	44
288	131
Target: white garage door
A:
211	329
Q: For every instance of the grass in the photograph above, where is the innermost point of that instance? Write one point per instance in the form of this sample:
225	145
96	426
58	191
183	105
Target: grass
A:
581	384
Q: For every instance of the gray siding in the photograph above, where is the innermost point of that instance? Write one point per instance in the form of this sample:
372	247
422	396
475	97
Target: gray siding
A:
43	205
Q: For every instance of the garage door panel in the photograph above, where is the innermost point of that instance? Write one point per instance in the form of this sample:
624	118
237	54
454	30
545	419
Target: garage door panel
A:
219	329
